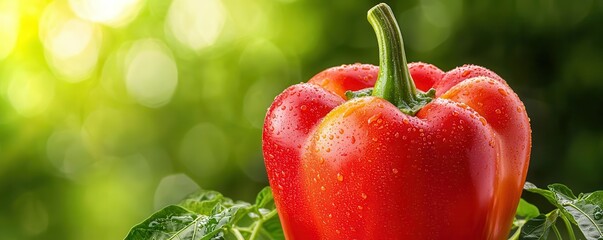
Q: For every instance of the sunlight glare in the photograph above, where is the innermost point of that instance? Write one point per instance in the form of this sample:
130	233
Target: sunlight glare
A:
196	24
114	13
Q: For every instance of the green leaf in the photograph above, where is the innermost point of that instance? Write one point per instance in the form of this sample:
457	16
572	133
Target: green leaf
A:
550	196
586	210
538	227
170	222
562	191
209	215
265	198
526	210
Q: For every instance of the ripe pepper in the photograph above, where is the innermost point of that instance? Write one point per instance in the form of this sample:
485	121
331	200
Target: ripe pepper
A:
397	151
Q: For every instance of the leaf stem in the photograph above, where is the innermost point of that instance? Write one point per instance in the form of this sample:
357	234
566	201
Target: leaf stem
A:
257	227
568	226
556	231
515	235
237	234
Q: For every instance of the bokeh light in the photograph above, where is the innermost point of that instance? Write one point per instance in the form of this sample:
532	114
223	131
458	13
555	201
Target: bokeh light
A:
67	152
72	44
33	216
204	151
9	26
30	91
114	13
430	23
172	189
196	24
151	74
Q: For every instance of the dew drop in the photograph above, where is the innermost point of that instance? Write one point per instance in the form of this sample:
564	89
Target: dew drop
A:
483	120
321	160
322	188
374	118
303	107
330	216
339	177
598	215
455	113
363	195
466	73
502	92
359	207
395	170
374	139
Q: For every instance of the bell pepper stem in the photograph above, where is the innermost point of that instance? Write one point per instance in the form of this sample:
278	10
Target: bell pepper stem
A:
394	82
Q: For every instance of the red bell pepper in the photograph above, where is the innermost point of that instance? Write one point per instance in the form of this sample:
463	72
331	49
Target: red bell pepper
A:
359	152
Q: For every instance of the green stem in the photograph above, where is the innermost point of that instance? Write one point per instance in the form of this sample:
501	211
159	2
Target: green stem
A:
237	234
258	225
515	235
568	226
255	230
557	234
394	83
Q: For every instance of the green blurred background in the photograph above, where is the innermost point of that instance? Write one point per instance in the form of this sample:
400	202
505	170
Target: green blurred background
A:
111	109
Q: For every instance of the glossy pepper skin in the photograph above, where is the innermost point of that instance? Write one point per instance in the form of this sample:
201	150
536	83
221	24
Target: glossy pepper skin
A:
399	163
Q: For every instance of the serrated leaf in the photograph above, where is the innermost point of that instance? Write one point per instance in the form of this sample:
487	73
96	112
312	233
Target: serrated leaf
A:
550	196
265	198
562	190
538	227
274	229
585	210
595	198
168	223
208	215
